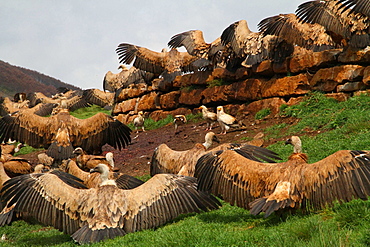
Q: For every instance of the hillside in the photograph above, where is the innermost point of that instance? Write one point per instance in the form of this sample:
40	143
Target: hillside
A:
14	79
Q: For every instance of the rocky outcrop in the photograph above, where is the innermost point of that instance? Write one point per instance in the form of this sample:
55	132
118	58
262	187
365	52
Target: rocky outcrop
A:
268	85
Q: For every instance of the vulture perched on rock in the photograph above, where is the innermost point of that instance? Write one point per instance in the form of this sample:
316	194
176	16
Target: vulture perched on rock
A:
92	215
345	26
98	97
167	64
112	82
290	28
269	187
195	45
62	132
249	48
166	160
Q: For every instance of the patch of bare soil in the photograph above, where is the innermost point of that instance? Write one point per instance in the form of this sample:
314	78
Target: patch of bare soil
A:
135	159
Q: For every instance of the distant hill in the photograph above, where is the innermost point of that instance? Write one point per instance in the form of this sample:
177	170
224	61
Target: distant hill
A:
14	79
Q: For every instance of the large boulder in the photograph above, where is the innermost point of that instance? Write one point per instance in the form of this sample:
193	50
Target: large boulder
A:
286	86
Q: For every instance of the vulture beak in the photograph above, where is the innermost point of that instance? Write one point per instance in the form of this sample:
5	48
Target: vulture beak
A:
289	141
215	139
94	170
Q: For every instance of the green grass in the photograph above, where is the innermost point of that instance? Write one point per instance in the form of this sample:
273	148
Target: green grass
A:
262	113
342	125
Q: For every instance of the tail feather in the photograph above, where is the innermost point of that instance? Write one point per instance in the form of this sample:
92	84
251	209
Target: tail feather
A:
268	207
86	235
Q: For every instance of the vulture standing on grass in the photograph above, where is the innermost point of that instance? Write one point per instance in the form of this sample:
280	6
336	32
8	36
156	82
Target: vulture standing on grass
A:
226	121
344	25
92	180
210	117
62	132
166	160
195	45
167	64
269	187
92	215
290	28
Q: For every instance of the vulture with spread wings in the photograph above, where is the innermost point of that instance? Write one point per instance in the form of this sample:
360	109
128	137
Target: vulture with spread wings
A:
249	48
290	28
194	43
105	211
344	25
167	64
269	187
113	82
62	132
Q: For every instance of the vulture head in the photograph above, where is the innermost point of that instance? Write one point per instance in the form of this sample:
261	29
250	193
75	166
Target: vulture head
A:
296	142
209	138
78	151
103	169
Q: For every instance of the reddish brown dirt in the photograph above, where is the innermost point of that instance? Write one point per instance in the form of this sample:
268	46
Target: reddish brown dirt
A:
134	160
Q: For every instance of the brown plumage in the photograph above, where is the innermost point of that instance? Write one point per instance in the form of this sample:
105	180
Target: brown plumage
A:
88	161
92	180
210	117
72	102
361	6
8	106
112	82
62	132
98	97
195	45
290	28
167	64
250	48
16	166
267	187
167	160
344	25
95	214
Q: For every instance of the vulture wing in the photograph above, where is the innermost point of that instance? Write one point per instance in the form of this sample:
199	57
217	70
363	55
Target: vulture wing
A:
98	97
290	28
235	35
162	198
360	6
193	42
143	58
341	23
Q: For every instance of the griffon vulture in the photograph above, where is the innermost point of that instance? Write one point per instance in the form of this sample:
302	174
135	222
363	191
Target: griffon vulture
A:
112	82
166	160
195	45
167	64
269	187
290	28
361	6
88	161
62	132
250	48
210	117
99	97
344	25
71	103
123	181
95	214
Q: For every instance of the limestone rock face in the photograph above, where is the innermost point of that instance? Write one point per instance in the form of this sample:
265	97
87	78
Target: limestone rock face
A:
133	91
329	78
286	86
190	97
149	102
353	56
272	103
169	100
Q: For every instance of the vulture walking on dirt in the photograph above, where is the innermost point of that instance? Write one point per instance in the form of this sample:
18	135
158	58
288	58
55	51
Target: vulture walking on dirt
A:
167	64
226	121
344	25
92	215
269	187
210	117
195	45
62	132
139	121
167	160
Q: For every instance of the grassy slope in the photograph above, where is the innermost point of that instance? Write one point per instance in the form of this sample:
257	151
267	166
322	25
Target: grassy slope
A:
346	126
